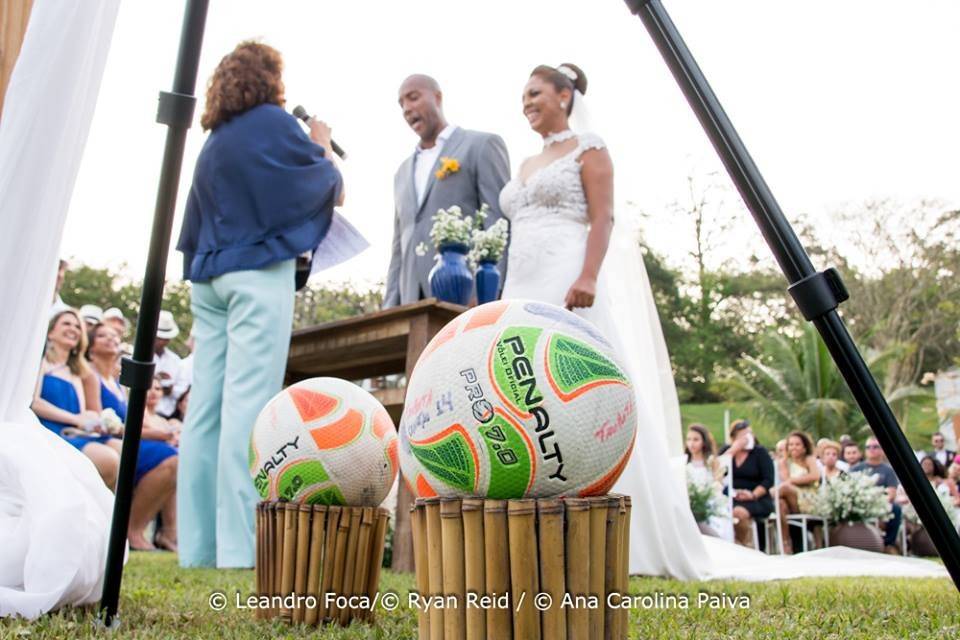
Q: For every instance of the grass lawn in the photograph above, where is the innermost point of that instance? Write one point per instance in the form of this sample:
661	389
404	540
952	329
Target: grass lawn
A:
160	600
920	424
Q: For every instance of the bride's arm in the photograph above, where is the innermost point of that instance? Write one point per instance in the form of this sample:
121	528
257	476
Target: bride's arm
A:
597	175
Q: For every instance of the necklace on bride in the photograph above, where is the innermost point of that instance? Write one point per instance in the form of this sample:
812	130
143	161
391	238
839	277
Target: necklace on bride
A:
554	138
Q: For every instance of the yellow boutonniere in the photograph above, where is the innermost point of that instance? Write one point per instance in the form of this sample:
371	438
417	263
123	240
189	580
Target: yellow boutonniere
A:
447	166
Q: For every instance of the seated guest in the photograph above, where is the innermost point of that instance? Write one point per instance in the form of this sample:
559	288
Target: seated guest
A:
167	362
940	453
156	473
953	475
874	464
703	467
829	456
752	480
63	390
780	450
937	476
850	454
92	315
800	477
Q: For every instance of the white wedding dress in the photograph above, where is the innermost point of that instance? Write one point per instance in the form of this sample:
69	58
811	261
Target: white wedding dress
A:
548	234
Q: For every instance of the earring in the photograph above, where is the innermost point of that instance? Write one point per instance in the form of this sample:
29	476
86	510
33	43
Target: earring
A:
563	105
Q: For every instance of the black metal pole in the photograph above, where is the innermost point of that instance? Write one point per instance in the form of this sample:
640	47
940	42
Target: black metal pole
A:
176	111
816	293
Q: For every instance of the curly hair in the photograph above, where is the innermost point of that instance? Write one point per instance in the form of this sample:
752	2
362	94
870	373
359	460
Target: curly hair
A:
246	77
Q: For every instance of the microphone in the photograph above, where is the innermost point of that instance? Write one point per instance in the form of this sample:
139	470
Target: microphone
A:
301	113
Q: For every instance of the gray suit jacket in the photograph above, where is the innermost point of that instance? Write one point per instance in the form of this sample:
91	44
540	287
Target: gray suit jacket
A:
484	169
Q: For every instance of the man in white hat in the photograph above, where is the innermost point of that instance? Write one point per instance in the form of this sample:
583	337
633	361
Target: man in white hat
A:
92	315
167	363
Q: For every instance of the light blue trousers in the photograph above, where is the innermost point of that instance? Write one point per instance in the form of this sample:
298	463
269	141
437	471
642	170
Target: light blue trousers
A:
242	322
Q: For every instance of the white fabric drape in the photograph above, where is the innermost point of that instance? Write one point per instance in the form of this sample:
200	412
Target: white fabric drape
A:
54	508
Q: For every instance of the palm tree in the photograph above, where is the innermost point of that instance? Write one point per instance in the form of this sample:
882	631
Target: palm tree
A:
794	385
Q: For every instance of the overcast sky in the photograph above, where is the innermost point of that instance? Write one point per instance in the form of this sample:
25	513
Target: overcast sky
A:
838	102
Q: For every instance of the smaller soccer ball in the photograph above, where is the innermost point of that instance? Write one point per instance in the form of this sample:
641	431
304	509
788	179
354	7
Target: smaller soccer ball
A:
324	441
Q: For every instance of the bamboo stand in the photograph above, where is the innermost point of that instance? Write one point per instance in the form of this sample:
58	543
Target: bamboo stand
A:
309	551
492	557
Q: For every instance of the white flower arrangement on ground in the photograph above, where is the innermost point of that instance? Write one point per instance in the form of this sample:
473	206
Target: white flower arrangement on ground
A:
856	498
706	499
450	226
489	244
910	513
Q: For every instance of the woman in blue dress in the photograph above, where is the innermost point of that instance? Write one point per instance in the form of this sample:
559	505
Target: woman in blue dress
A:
156	474
63	391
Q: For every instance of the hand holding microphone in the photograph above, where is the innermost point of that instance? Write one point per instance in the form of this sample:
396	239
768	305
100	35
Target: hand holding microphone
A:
319	132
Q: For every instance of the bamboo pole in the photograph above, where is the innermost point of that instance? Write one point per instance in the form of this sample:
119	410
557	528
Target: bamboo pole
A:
451	531
362	568
339	559
598	537
624	586
334	514
353	537
279	533
301	562
288	571
474	576
524	583
377	544
317	528
435	559
418	523
260	613
577	544
14	16
611	570
496	563
552	580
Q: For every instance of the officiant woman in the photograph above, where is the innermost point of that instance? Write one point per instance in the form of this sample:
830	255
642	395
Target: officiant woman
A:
263	193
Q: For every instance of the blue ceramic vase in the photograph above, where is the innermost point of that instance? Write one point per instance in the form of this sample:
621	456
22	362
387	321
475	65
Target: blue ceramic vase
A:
450	279
488	281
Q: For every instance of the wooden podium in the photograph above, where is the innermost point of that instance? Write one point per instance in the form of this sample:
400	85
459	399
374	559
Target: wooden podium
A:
376	344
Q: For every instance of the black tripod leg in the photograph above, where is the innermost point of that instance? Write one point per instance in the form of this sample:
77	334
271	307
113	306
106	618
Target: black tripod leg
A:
175	111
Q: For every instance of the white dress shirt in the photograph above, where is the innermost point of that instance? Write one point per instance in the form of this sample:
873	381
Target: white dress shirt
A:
168	363
426	159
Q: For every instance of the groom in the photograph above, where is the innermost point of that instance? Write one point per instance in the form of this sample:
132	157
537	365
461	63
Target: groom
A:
450	166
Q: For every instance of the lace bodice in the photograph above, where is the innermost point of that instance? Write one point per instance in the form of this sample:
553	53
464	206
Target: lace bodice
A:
554	191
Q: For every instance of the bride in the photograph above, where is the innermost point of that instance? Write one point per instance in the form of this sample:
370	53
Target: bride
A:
560	207
566	250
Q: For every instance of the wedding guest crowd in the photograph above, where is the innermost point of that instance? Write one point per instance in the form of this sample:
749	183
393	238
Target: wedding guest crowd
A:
78	396
797	471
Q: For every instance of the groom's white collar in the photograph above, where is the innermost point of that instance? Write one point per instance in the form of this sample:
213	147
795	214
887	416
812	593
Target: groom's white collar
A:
441	138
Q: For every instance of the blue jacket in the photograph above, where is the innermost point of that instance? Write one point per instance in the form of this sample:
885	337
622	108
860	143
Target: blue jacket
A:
262	193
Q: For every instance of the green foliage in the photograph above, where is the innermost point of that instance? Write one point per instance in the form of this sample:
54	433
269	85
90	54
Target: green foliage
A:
114	288
316	304
793	384
107	288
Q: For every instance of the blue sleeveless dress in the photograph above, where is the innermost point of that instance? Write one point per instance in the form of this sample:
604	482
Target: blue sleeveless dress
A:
152	452
62	394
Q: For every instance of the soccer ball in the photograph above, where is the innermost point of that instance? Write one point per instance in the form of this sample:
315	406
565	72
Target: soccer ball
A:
517	399
324	441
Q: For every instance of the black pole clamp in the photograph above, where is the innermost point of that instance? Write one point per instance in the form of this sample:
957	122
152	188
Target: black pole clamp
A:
176	109
819	294
135	374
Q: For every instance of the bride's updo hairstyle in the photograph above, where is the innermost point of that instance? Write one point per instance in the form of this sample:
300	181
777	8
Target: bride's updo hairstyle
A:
566	76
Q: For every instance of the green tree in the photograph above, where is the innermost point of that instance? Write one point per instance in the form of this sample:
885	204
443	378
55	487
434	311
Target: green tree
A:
793	384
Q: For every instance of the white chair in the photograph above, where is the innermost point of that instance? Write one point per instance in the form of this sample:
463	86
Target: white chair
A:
802	520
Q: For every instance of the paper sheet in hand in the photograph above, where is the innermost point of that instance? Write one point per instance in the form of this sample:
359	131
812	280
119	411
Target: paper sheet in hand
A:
341	243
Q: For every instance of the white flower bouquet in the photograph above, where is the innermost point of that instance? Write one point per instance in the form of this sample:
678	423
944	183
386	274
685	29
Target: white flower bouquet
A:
706	499
451	227
910	513
856	498
489	244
